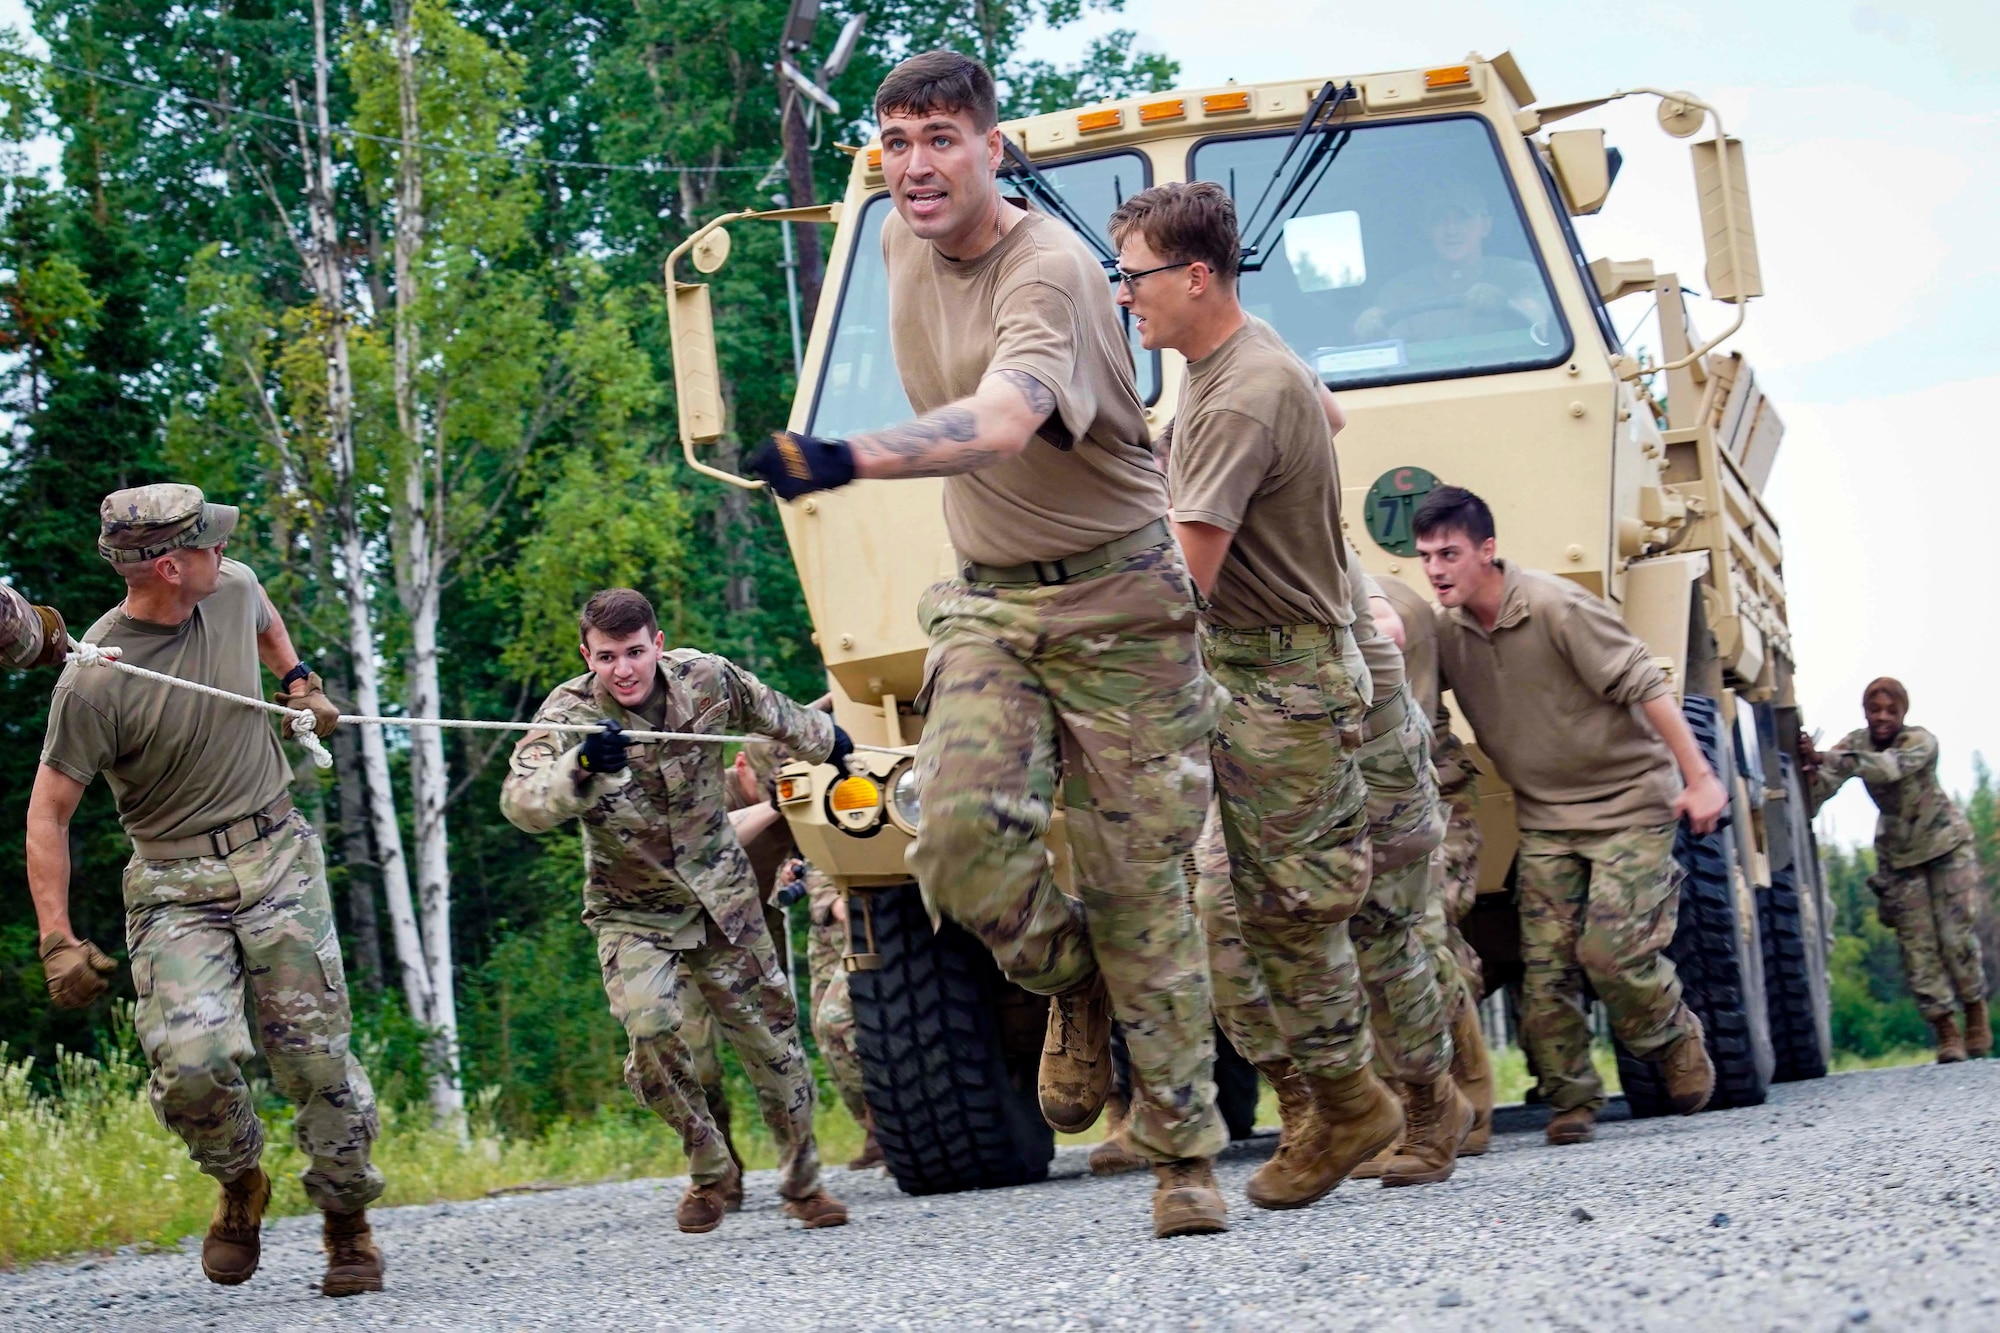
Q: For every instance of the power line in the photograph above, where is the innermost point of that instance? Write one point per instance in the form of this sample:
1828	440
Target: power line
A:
345	131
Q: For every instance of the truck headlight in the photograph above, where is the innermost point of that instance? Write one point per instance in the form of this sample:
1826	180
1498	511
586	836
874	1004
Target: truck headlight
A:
905	806
854	804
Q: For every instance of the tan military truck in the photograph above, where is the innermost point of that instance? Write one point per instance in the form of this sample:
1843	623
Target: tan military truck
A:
1362	200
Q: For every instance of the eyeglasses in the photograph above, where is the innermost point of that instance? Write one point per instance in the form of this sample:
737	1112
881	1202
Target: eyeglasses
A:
1120	276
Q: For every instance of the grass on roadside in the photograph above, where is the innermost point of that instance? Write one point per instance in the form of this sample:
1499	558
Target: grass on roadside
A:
88	1167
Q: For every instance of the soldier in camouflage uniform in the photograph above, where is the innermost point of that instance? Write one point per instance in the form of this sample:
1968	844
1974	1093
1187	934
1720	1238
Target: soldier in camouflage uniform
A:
668	890
226	890
1256	492
30	635
1414	989
1455	870
1926	881
1064	654
1585	728
832	1007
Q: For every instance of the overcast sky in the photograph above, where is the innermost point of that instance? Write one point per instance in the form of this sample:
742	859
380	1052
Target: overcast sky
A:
1873	138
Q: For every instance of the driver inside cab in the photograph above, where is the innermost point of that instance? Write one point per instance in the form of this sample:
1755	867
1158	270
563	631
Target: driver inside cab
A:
1463	291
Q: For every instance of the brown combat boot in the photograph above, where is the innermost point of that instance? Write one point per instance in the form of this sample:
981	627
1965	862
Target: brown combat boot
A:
870	1155
230	1249
353	1263
1114	1156
701	1208
1186	1201
1689	1074
1439	1117
816	1210
1472	1070
1354	1117
1576	1125
1978	1031
1075	1076
1373	1168
1950	1039
1295	1109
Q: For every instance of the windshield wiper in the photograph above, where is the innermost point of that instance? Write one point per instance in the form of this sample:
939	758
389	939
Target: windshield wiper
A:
1312	167
1037	187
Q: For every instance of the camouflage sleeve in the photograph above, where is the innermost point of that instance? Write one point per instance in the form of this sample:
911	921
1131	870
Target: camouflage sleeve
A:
1915	751
541	791
821	893
756	707
20	629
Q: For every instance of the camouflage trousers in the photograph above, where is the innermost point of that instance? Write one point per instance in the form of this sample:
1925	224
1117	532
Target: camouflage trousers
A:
1094	687
203	930
1294	820
1242	1001
1459	856
1934	910
1602	907
750	999
833	1013
1409	987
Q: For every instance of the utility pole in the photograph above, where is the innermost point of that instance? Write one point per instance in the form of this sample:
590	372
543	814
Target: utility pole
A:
808	265
800	99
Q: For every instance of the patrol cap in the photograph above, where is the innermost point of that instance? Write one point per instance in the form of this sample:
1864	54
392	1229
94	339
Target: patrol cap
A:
145	522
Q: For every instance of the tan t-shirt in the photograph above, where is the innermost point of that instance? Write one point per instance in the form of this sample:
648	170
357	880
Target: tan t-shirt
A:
1420	645
179	763
1036	302
1553	693
1253	455
1378	650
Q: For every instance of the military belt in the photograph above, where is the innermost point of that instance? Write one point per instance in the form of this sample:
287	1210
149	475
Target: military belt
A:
1386	716
1071	568
231	837
1279	639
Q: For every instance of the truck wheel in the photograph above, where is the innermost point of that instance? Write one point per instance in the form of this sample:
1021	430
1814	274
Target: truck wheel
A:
1712	950
952	1111
1795	983
1236	1089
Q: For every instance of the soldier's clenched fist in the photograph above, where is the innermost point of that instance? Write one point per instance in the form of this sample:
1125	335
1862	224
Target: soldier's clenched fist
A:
76	971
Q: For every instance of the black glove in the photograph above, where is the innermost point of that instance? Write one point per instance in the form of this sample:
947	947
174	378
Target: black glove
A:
793	465
603	751
843	746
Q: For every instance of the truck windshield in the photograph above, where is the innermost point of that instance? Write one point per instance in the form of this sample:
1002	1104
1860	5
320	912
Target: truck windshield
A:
858	386
1407	260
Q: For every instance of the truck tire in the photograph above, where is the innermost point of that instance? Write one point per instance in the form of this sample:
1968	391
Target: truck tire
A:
1708	951
952	1110
1795	980
1236	1089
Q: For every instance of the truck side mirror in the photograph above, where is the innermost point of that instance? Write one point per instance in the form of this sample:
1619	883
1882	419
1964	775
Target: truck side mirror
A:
1583	169
1722	187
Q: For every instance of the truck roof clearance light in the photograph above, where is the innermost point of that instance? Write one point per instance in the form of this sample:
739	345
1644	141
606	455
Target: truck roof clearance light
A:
1448	76
1091	122
874	159
1221	104
1151	113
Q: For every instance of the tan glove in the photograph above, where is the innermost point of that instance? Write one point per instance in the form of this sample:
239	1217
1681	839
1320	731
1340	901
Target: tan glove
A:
75	971
310	694
55	637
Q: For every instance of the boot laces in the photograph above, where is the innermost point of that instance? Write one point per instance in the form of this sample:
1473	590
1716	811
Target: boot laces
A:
1422	1113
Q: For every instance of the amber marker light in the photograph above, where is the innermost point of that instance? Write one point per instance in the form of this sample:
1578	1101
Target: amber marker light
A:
856	793
794	789
1171	109
874	159
1448	76
1090	122
1217	104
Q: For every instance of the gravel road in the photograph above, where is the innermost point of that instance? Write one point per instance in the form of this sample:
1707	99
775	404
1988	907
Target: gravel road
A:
1864	1199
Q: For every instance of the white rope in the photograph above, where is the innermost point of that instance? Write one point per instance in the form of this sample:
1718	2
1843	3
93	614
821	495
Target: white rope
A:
303	722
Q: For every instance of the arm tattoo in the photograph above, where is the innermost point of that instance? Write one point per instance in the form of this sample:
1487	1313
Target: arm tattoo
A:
1043	404
1040	400
925	447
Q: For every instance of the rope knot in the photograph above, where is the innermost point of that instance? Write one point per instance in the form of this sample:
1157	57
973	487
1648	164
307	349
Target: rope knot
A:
89	654
305	733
